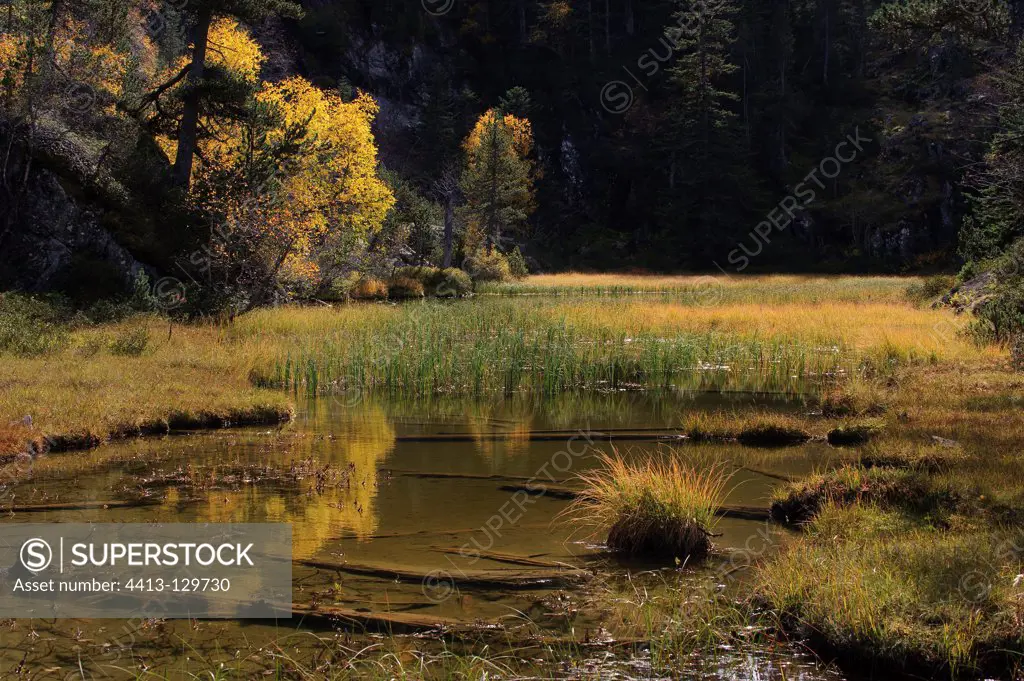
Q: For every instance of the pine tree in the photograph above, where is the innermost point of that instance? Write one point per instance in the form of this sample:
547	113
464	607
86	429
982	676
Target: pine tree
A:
998	215
498	181
709	173
203	13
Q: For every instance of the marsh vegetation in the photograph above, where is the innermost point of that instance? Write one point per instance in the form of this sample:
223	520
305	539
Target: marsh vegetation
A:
878	432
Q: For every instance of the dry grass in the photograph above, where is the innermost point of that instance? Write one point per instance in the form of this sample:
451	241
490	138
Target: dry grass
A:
875	585
192	377
752	427
882	331
715	289
654	505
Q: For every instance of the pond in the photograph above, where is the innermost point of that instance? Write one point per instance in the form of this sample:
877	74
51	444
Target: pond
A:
443	510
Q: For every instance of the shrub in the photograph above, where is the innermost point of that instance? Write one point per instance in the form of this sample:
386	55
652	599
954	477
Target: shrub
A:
517	264
1001	317
369	288
424	274
32	326
1001	311
932	287
657	507
336	290
131	342
404	287
488	266
452	283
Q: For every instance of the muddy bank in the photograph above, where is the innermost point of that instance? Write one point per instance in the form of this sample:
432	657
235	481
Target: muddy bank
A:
54	443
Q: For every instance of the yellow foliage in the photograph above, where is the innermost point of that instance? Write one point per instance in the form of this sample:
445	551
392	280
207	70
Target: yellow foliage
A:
10	48
331	187
337	187
90	66
233	49
520	128
96	65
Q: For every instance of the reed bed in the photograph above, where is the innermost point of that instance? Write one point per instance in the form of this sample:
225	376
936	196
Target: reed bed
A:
548	346
505	347
653	505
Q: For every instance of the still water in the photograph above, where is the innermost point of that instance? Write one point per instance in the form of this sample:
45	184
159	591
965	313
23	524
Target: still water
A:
426	490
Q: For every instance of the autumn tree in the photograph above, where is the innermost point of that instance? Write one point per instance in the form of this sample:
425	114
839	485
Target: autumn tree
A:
203	14
286	178
498	181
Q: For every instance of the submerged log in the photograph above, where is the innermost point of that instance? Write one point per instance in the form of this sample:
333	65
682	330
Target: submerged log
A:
769	474
432	533
429	475
744	513
560	493
512	580
542	436
80	506
388	622
498	557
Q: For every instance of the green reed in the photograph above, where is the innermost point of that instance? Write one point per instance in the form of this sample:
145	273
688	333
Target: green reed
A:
496	346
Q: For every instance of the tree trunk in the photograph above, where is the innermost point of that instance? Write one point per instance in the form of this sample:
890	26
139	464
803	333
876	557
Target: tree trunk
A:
590	29
449	228
56	10
189	128
607	27
521	9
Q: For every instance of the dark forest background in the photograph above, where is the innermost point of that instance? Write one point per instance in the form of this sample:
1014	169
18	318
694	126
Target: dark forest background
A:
669	135
634	187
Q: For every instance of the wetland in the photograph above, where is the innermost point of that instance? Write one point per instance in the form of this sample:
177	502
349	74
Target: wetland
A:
430	458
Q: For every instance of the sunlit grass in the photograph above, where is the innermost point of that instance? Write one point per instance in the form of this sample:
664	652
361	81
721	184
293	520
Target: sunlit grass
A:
879	586
715	288
553	345
188	377
656	505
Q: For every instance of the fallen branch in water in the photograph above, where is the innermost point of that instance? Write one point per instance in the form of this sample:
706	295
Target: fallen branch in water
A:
479	579
80	506
428	475
768	474
390	622
498	557
432	533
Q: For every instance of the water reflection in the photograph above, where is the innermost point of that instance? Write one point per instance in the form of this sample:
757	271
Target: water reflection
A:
402	483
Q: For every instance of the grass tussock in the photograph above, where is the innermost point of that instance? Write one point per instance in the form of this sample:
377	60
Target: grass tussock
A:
801	501
750	428
851	435
656	506
872	585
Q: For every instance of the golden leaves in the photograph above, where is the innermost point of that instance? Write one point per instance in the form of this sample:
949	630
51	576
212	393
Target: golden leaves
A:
233	49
